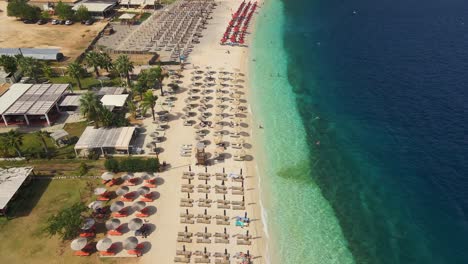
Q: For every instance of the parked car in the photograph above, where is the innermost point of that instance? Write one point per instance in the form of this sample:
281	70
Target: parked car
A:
28	21
89	22
41	22
68	22
55	22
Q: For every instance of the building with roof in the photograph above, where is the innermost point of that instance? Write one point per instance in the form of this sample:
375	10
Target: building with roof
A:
138	3
40	54
106	140
111	97
114	101
98	8
11	180
47	4
26	104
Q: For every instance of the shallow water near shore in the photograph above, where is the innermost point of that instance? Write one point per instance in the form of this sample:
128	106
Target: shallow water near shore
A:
364	110
301	225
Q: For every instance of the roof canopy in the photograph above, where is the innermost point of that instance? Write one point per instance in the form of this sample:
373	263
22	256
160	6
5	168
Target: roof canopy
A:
127	16
137	2
95	7
109	90
118	138
114	100
71	100
59	134
10	181
10	97
40	54
38	99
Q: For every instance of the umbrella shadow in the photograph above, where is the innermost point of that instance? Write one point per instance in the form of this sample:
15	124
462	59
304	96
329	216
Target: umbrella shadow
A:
152	210
247	145
118	247
248	158
244	125
146	247
155	195
124	228
160	181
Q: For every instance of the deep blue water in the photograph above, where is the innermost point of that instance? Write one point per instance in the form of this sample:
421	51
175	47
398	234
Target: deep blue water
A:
382	85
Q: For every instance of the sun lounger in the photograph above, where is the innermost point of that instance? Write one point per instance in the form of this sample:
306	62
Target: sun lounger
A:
204	205
146	199
187	221
221	235
237	188
107	253
220	191
221	178
103	198
87	234
224	206
187	173
221	187
128	183
237	203
184	253
185	234
181	260
114	233
222	241
204	191
150	185
237	193
204	240
186	190
186	215
189	186
203	221
118	215
127	199
134	252
221	222
184	240
182	204
202	260
222	261
244	242
187	177
142	215
238	207
222	217
81	253
203	178
186	200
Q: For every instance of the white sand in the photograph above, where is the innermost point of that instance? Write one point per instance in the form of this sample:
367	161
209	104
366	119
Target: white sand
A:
163	240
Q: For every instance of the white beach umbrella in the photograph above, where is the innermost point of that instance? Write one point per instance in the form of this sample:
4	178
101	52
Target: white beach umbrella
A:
135	224
130	243
96	205
99	191
104	244
138	206
112	224
122	190
79	243
143	190
117	206
107	176
88	223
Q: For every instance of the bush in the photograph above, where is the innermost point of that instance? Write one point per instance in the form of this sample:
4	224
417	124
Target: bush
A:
66	223
83	169
132	165
112	165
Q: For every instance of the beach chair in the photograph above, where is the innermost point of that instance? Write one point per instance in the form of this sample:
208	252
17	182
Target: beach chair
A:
221	222
222	261
147	198
134	252
238	207
81	253
181	260
202	260
115	232
127	198
221	241
87	234
244	242
204	241
187	221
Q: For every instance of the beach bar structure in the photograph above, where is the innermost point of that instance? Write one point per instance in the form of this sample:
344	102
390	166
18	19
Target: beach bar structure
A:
11	180
97	8
106	140
40	54
27	104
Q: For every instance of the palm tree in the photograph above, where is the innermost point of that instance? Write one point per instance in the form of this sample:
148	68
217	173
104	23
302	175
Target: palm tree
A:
132	108
93	59
149	102
140	88
105	61
91	107
160	75
75	71
14	139
30	67
124	66
42	135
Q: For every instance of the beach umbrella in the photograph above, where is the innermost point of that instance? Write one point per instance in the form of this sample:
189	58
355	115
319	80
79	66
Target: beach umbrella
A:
96	205
146	176
107	176
99	191
117	206
130	243
218	127
236	102
79	243
135	224
112	224
88	223
143	190
127	176
122	190
151	145
138	206
154	134
218	139
104	244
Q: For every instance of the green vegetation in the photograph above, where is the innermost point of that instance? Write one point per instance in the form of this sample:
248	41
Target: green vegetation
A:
132	165
149	102
87	82
21	9
64	11
139	17
29	66
76	72
66	223
8	63
82	14
124	67
149	79
75	129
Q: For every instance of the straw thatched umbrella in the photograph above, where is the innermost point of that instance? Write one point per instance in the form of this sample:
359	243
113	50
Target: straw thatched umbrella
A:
88	223
122	190
96	205
117	206
218	139
112	224
130	243
154	134
100	190
79	243
104	244
135	224
107	176
143	190
138	205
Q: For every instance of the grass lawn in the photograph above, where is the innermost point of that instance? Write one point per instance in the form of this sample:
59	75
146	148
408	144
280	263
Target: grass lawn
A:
87	82
59	167
139	18
75	129
24	240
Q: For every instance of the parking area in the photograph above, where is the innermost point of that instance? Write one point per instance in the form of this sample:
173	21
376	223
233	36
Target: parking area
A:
72	40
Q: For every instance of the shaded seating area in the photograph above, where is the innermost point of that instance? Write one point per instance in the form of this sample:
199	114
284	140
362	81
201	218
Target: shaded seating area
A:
106	140
11	181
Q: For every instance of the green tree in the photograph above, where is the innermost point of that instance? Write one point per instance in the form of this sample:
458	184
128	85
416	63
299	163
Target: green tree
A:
66	223
139	89
47	71
76	72
31	12
107	117
8	63
30	67
21	9
105	61
82	14
149	102
45	15
132	108
124	66
93	59
111	165
91	107
42	135
63	11
159	75
14	139
83	169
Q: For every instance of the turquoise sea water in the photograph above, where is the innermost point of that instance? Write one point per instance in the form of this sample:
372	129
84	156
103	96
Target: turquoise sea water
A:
302	227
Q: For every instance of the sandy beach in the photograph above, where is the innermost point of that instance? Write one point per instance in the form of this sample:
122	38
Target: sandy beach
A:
208	56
